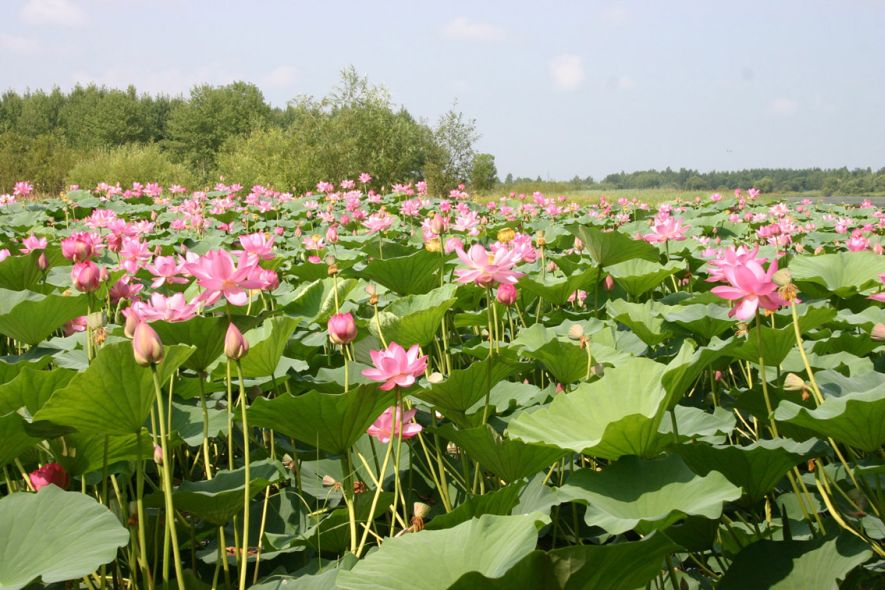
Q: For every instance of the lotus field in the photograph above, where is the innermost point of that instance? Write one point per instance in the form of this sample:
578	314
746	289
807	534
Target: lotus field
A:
356	389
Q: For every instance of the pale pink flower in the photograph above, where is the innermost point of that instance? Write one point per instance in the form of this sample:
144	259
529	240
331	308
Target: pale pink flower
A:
32	243
258	246
220	276
165	270
666	228
378	222
751	286
486	268
388	424
22	188
81	245
395	366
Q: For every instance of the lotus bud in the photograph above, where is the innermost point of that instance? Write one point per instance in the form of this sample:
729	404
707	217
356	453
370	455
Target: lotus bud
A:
332	235
782	277
818	250
579	245
235	345
146	345
86	276
51	473
878	332
435	378
342	328
329	481
609	282
42	262
436	225
576	332
793	382
132	321
158	455
506	294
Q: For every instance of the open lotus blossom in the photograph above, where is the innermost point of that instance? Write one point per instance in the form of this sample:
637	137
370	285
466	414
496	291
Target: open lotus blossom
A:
751	286
258	246
220	276
32	243
174	308
396	367
387	426
665	229
166	270
487	268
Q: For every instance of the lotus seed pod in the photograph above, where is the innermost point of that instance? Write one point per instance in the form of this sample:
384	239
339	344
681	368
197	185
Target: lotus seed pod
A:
782	277
576	332
793	382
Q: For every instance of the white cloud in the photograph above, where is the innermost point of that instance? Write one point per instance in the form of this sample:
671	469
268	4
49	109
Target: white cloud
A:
19	45
280	77
52	12
567	71
783	106
463	29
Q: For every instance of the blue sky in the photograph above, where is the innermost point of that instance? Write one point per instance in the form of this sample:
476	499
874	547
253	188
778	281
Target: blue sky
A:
557	88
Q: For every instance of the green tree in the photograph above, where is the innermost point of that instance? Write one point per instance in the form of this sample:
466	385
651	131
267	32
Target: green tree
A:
451	157
483	173
199	127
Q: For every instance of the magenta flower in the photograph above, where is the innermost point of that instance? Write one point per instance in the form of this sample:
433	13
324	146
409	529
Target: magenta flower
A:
396	367
86	276
378	222
81	245
165	270
258	246
342	328
751	286
386	427
219	275
51	473
486	268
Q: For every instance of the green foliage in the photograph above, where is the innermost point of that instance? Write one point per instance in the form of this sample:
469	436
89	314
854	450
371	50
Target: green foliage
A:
127	164
483	172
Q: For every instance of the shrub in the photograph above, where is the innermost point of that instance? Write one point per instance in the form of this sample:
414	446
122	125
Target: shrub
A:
127	164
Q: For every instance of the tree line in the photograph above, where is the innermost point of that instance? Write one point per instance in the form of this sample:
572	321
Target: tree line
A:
96	134
833	181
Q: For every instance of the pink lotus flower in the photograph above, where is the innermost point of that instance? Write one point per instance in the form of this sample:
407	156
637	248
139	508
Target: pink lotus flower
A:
881	295
378	222
258	246
4	254
147	346
134	254
235	344
485	268
342	328
51	473
666	228
396	367
32	243
217	273
750	285
165	270
22	188
80	246
506	294
387	426
174	308
86	276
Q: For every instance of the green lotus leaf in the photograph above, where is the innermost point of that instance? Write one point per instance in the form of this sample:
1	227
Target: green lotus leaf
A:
508	459
856	419
414	319
563	358
841	273
331	422
406	275
639	276
32	317
218	499
489	545
31	388
557	290
315	302
757	468
643	319
706	321
266	346
55	536
463	388
614	416
610	248
114	395
784	565
648	494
